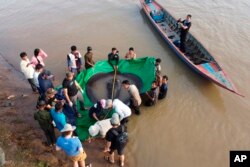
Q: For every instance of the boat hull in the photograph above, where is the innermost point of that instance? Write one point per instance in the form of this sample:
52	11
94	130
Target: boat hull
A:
211	71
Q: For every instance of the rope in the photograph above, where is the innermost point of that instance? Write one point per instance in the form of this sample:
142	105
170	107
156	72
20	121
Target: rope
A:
114	79
113	88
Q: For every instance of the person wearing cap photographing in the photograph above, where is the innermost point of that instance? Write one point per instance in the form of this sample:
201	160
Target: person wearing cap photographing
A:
72	146
73	92
45	121
88	57
112	143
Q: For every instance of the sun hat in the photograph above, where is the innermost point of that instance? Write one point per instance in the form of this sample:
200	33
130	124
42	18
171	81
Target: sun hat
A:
94	130
68	127
115	119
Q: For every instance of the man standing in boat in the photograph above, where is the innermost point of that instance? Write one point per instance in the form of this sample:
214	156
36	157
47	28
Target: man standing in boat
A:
185	26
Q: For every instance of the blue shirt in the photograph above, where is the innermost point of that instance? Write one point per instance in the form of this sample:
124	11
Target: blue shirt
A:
163	91
71	146
44	84
59	118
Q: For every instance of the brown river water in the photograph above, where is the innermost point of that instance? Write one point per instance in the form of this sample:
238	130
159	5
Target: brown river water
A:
199	123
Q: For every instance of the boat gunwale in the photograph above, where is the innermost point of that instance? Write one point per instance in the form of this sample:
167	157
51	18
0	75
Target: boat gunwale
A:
184	58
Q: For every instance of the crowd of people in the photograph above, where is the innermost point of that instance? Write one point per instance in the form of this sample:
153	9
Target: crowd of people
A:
51	104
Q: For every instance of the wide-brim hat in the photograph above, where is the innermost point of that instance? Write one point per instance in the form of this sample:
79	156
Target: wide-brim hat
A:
68	127
94	130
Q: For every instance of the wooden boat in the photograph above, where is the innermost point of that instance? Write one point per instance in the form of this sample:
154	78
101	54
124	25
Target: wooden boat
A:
196	56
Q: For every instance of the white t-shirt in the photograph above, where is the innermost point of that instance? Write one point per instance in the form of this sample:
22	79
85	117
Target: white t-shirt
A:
104	126
134	93
27	71
72	60
121	109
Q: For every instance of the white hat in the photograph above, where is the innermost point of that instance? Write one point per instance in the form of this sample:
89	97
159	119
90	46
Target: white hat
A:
68	127
94	130
115	119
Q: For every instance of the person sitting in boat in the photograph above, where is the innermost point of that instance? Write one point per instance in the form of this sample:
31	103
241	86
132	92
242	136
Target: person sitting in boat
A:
100	128
185	26
97	110
131	54
113	57
163	88
152	94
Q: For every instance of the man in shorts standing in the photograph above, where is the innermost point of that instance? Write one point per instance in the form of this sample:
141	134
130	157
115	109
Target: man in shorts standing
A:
72	146
112	143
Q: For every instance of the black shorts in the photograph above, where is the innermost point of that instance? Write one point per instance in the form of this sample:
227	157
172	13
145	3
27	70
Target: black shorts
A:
120	149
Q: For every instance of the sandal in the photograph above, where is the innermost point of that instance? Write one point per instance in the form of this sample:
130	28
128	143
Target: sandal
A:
107	158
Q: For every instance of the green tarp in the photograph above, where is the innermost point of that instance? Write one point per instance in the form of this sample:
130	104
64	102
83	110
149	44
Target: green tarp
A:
144	68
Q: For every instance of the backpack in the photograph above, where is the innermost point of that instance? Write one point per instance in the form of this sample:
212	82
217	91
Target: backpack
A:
122	137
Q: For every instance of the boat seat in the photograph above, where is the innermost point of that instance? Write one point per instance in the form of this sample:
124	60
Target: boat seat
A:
171	36
157	16
148	1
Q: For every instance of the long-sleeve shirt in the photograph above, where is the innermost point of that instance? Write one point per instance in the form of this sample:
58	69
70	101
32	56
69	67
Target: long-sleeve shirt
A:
28	71
39	59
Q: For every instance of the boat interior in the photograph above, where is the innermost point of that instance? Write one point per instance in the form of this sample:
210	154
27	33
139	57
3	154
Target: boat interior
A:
195	52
